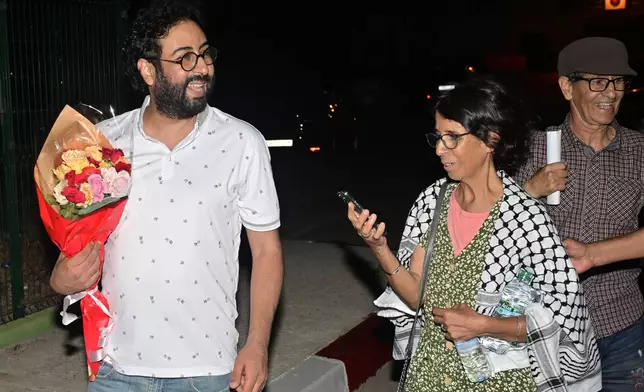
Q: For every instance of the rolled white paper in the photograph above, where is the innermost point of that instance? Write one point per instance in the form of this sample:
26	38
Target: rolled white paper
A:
553	152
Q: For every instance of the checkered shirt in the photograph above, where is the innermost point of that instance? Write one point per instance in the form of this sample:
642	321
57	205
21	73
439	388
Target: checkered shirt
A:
603	197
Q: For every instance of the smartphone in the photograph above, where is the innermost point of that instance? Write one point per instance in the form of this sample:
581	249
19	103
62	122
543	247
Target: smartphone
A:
346	196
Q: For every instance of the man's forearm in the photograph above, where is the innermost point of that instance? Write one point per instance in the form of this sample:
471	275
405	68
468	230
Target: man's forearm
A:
528	188
625	247
265	288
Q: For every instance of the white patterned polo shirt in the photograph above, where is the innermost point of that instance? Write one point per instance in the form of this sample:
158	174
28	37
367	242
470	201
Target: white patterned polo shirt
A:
171	265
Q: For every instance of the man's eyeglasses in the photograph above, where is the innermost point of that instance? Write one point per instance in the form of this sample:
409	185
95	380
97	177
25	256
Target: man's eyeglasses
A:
601	84
189	60
450	140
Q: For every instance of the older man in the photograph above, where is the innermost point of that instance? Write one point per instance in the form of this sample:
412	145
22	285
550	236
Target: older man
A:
601	179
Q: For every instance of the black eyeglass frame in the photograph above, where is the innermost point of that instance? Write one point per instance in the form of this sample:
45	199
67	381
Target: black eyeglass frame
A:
433	139
196	60
626	80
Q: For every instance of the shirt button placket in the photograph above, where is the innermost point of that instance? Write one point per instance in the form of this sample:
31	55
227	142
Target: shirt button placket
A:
592	186
167	169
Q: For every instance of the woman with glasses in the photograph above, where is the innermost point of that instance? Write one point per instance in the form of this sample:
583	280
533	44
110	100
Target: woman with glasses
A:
488	230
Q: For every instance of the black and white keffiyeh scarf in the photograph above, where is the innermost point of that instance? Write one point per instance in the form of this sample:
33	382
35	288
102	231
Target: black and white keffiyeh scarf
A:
561	345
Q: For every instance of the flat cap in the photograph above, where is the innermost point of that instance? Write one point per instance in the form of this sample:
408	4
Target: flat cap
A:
595	55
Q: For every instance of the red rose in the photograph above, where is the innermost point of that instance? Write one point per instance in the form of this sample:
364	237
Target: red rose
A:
107	152
81	178
74	180
116	155
93	162
71	178
73	195
123	166
89	170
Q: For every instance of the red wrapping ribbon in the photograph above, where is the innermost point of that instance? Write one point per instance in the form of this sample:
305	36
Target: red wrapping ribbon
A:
71	236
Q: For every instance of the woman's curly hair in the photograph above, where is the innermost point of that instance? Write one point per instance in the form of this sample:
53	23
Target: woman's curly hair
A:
484	106
152	23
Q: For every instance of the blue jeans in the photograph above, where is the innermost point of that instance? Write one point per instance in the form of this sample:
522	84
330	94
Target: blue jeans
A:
622	357
109	380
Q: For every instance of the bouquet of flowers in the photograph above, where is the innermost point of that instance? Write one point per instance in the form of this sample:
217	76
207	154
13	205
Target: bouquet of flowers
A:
82	185
88	180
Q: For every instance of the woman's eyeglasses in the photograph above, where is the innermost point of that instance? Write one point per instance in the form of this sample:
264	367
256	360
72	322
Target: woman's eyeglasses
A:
450	140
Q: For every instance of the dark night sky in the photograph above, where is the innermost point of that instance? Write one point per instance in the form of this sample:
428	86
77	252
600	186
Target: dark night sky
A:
275	54
276	58
342	40
335	39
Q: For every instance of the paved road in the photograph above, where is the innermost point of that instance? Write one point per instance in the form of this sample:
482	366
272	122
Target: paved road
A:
385	379
329	286
388	186
328	289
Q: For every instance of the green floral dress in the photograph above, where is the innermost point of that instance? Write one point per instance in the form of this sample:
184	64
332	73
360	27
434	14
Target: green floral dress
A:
454	280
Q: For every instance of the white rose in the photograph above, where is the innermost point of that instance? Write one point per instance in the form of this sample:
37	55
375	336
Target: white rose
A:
121	184
108	174
58	189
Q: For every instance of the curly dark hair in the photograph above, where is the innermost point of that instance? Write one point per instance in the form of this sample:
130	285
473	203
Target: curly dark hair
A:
152	23
484	106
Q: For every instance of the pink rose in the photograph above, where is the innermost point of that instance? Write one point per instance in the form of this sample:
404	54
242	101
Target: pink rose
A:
120	184
99	188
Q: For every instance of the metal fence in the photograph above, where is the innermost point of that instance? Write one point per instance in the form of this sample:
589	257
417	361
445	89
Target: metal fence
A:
52	53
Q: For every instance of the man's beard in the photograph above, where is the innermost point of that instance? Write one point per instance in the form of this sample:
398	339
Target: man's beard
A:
172	101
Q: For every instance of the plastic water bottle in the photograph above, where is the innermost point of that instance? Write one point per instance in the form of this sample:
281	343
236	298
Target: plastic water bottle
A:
516	296
475	364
